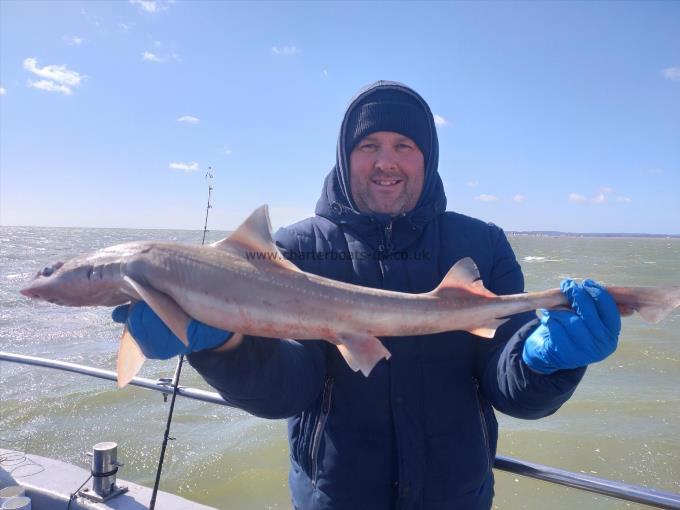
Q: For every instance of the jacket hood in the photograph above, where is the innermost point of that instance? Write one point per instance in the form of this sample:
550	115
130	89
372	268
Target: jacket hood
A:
336	202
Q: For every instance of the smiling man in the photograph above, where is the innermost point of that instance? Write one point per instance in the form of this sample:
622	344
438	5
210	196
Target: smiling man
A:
420	431
387	170
385	136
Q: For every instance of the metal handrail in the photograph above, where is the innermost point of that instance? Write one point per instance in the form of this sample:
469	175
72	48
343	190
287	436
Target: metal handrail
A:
160	385
628	492
620	490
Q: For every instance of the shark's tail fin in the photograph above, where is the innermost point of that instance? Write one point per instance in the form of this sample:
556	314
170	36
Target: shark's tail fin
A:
652	303
463	282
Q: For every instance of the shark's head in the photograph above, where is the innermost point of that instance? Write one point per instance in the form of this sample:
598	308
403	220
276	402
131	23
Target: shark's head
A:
91	280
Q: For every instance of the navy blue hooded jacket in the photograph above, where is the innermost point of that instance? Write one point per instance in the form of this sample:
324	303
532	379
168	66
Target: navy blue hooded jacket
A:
420	431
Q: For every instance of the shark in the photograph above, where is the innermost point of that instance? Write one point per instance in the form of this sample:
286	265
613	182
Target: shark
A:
244	284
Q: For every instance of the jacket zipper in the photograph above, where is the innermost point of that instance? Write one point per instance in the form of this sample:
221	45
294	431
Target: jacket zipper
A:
388	237
320	426
485	431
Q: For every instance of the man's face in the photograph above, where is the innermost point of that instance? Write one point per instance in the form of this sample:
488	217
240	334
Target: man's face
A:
386	171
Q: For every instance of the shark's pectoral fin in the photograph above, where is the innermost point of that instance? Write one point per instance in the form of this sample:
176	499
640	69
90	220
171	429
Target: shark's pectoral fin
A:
361	351
130	358
165	307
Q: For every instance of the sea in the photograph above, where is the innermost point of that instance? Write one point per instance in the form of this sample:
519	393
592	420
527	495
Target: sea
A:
623	422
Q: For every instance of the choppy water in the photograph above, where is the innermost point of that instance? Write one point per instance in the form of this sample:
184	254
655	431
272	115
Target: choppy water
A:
623	423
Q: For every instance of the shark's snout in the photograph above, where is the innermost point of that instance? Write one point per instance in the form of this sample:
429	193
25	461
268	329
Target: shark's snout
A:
78	282
26	291
34	289
42	280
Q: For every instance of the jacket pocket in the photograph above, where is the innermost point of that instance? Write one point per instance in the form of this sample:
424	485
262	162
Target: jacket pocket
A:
319	428
458	456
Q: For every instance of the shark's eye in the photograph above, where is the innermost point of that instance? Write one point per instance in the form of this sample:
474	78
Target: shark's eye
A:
47	271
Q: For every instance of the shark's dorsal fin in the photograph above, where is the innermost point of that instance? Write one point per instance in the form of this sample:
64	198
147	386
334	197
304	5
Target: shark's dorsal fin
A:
255	236
463	282
254	233
464	275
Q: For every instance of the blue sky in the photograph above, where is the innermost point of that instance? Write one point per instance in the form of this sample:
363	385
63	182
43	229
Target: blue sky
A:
553	116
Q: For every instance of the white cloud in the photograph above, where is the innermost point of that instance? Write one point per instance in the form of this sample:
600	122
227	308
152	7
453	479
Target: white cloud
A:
654	171
74	40
146	5
126	26
151	57
285	50
187	167
600	198
152	6
49	86
624	200
60	74
519	198
672	73
440	121
325	73
189	119
56	78
148	56
472	184
2	91
577	199
486	198
227	151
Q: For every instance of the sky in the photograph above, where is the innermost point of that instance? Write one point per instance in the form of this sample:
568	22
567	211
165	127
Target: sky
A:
550	115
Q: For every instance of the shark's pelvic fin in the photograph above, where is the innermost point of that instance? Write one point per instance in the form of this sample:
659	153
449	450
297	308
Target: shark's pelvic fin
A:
361	351
489	329
255	236
130	358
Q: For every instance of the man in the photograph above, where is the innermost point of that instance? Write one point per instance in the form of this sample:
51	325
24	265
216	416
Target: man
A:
420	431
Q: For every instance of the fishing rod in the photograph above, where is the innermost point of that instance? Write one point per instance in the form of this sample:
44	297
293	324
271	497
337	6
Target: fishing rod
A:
178	370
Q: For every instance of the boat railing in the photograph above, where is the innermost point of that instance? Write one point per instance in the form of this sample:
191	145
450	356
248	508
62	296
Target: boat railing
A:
620	490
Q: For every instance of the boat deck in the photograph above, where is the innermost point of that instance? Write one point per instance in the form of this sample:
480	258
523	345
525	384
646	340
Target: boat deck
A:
49	483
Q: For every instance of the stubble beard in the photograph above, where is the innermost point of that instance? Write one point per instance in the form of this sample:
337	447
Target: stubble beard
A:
369	202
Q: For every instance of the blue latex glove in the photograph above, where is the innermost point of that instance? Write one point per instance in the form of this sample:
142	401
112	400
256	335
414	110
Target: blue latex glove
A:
157	341
576	338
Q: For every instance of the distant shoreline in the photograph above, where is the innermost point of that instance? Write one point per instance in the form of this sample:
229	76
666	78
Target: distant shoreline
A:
550	233
535	233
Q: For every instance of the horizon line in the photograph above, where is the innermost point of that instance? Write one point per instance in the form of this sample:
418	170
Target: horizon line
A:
553	233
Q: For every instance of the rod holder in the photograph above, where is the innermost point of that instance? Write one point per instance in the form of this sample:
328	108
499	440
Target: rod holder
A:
104	468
